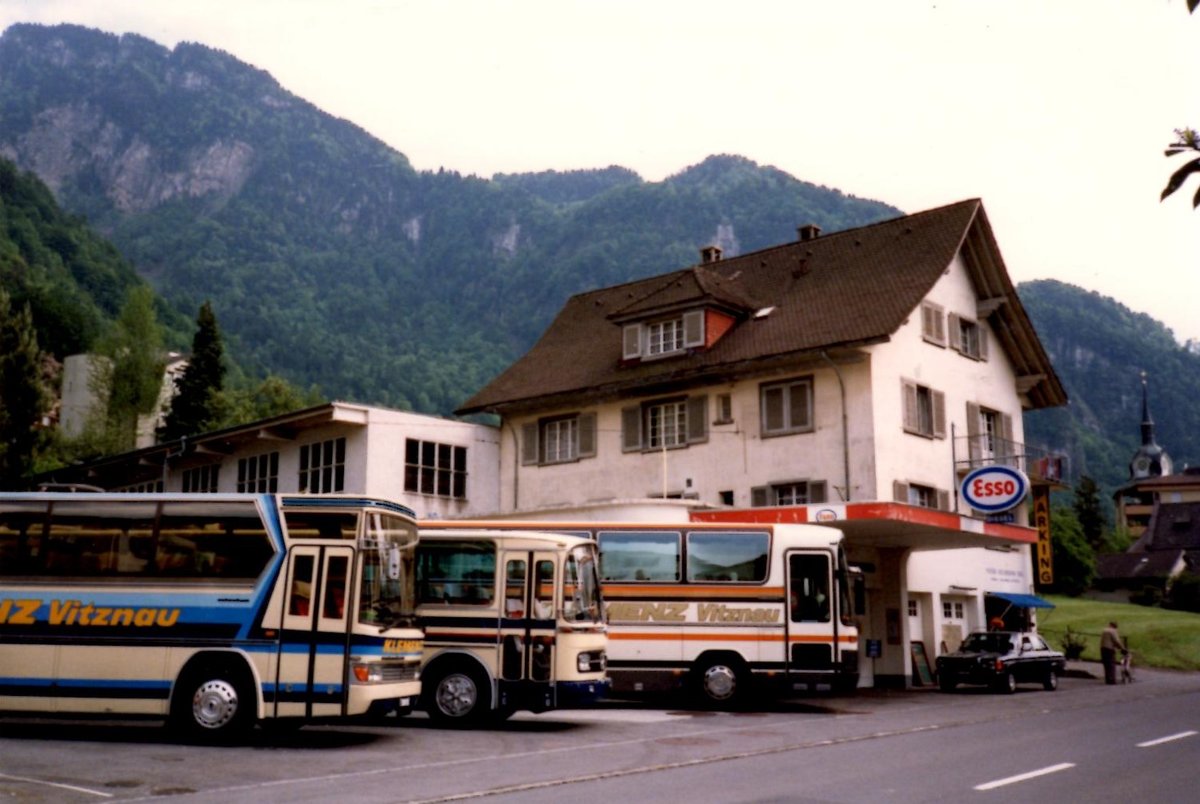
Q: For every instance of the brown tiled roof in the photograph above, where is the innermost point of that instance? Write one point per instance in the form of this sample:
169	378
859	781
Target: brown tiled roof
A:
842	290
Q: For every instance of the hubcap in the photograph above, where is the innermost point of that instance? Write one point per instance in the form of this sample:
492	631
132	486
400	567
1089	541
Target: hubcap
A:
456	695
720	682
215	704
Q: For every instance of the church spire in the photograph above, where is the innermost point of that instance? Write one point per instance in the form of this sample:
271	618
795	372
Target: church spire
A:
1150	460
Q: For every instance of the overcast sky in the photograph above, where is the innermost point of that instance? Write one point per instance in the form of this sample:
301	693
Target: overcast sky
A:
1054	112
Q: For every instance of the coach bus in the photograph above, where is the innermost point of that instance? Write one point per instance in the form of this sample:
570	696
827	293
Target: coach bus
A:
213	611
513	620
722	610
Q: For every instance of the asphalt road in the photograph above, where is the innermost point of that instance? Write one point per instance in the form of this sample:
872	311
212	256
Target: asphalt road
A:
1084	742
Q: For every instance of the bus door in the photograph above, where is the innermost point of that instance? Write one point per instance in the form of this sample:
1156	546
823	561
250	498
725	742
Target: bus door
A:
811	626
529	624
313	651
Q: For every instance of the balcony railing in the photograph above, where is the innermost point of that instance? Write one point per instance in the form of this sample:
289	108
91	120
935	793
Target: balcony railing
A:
1039	465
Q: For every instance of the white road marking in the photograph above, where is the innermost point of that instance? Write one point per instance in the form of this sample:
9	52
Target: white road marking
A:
1167	739
77	789
605	716
1023	777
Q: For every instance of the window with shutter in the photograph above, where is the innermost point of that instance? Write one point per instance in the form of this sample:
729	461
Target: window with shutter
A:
933	324
787	407
924	410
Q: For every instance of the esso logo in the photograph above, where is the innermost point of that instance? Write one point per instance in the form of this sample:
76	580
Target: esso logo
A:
994	488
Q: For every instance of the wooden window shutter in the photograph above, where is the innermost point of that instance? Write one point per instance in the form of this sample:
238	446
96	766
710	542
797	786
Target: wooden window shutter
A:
899	491
529	443
631	429
693	328
772	410
759	497
587	435
632	335
939	413
1007	448
943	500
983	342
974	444
816	491
697	418
955	333
912	421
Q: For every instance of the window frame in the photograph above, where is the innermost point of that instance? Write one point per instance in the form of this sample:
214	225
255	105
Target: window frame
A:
636	423
787	407
534	439
204	479
914	408
323	466
968	337
816	492
258	473
439	469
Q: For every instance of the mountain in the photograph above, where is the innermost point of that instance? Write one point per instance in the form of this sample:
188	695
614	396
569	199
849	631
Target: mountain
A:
1099	349
327	257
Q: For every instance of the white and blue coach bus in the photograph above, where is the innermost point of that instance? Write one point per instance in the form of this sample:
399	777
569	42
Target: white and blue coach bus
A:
212	611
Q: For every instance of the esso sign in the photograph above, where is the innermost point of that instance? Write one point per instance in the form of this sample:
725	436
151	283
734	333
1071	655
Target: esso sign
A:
994	488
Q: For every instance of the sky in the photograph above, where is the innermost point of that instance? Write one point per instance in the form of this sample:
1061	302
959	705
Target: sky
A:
1056	113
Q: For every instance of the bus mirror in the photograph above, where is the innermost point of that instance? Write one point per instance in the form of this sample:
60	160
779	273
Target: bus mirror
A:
393	564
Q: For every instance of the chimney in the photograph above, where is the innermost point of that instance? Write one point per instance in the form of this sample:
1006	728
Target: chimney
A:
710	254
809	231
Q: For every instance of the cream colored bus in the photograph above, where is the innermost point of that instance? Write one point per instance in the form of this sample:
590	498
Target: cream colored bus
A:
722	610
213	611
513	620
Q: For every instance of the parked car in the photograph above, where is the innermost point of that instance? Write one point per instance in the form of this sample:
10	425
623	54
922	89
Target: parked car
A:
1001	660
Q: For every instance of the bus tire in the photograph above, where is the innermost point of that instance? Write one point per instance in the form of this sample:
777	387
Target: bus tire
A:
212	703
456	694
721	682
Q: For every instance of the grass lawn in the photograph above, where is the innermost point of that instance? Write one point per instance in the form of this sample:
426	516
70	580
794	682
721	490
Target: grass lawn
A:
1157	637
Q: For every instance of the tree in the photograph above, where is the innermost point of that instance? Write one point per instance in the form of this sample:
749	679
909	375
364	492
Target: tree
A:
196	405
1186	139
131	377
23	396
272	397
1074	560
1089	513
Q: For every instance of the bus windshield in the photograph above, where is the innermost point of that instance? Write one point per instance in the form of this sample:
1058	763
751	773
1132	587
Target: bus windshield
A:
387	596
581	589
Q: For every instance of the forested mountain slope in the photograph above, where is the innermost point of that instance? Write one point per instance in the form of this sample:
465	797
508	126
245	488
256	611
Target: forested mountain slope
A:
1099	348
327	257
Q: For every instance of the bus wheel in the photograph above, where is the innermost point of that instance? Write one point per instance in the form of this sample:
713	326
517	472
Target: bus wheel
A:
456	695
212	705
721	683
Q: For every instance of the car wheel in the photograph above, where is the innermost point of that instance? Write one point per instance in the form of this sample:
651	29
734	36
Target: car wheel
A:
1050	682
456	695
946	682
1007	683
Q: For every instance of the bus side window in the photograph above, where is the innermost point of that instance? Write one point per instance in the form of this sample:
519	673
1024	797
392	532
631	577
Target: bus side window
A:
334	607
300	592
514	589
809	587
543	590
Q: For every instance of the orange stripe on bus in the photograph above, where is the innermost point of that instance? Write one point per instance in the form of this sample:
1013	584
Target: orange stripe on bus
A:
612	590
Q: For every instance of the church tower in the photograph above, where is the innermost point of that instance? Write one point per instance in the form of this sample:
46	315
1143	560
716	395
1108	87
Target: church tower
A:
1150	460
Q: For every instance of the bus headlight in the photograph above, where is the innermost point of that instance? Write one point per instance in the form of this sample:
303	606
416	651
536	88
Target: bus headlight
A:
591	661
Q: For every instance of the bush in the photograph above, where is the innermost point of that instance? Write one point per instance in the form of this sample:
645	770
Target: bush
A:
1184	594
1073	644
1147	596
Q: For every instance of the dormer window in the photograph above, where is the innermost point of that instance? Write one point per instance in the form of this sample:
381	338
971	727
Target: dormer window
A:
664	337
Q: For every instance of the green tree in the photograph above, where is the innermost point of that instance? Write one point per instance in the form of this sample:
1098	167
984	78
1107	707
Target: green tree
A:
131	377
1090	513
195	407
23	397
272	397
1074	559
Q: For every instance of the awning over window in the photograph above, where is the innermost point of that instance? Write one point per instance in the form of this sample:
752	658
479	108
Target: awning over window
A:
1025	601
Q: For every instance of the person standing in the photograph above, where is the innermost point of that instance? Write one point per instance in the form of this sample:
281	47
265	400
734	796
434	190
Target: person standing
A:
1110	643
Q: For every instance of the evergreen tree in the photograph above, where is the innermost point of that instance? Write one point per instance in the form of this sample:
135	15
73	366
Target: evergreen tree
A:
196	406
132	376
23	397
1089	512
